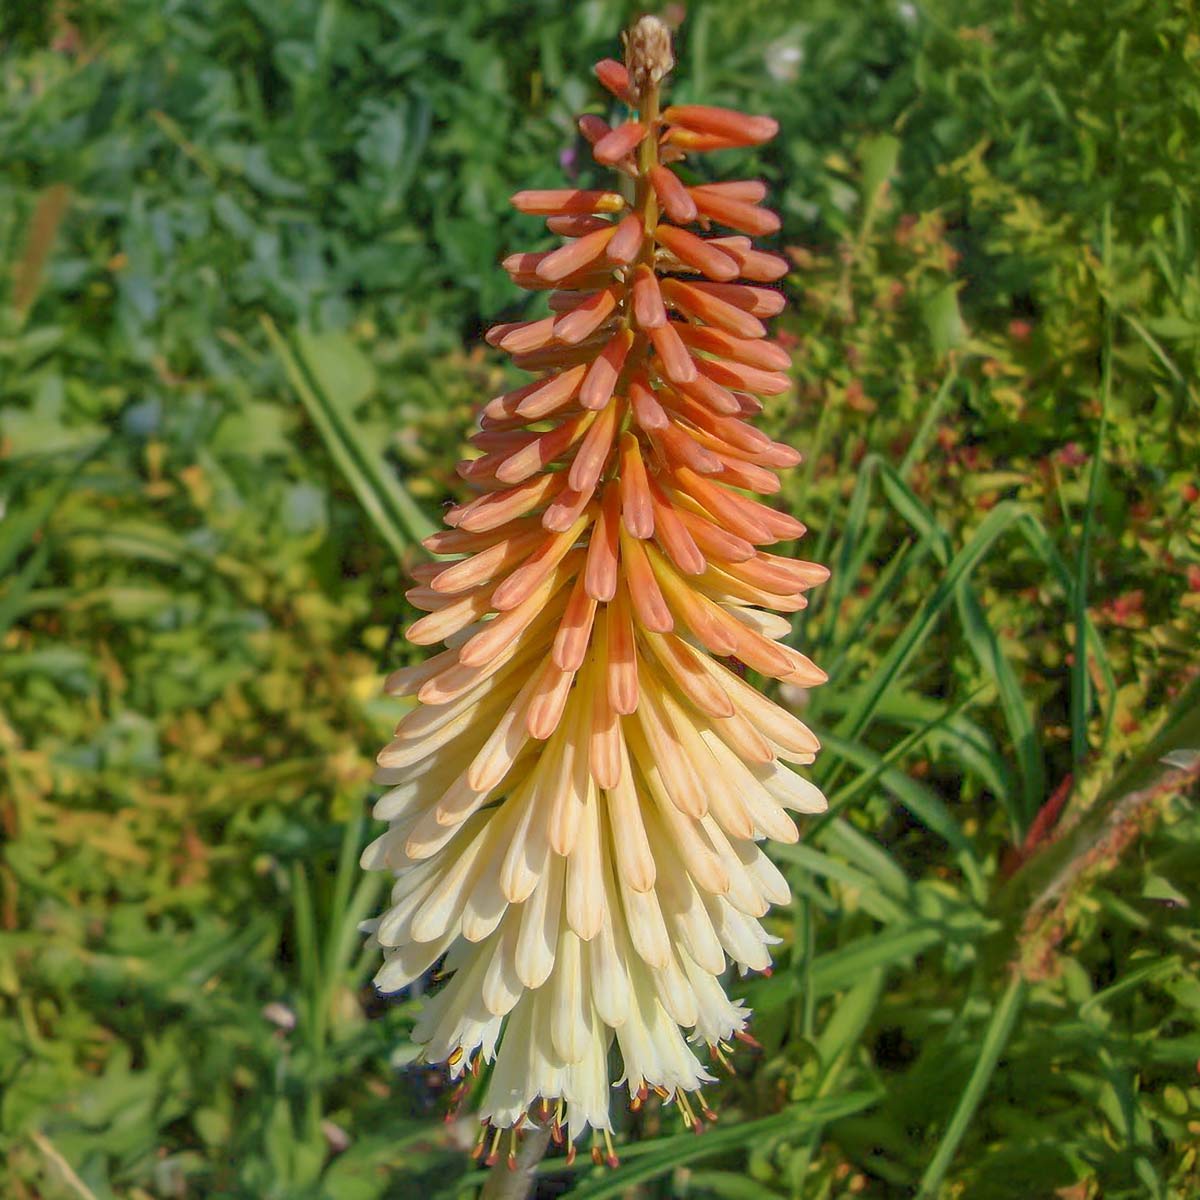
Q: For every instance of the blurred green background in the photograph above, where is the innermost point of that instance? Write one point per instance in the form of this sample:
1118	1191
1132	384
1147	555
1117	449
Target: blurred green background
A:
247	249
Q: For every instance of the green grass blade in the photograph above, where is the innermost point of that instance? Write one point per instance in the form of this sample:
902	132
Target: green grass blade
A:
842	968
651	1160
844	571
835	1045
1080	679
12	602
854	551
995	1039
18	530
1155	972
304	919
872	898
853	1011
882	598
1041	543
934	730
836	970
998	522
398	518
856	847
343	884
922	802
726	1185
986	647
1016	708
933	413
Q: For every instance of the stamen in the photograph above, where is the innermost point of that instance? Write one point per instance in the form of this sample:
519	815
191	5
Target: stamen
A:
718	1052
455	1103
494	1152
685	1109
611	1156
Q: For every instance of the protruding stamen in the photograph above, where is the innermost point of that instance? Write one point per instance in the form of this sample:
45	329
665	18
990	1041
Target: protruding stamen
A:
477	1149
610	1156
719	1052
494	1152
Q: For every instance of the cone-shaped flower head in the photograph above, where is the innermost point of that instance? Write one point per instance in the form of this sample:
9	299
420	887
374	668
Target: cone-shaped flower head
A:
577	800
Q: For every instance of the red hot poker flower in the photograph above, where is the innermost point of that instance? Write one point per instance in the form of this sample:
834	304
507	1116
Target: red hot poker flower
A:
575	803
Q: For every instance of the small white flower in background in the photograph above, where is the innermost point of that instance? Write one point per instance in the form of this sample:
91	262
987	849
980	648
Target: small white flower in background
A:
279	1015
784	60
336	1138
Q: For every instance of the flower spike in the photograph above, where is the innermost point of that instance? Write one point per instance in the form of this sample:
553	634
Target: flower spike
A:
576	802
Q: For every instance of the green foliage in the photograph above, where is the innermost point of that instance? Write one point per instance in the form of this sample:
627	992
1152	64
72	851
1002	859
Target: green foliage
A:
232	391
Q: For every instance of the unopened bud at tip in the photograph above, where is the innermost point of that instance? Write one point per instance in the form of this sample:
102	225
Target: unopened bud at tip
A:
648	55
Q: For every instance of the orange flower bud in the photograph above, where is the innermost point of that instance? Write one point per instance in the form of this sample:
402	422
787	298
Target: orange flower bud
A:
672	195
619	142
736	213
613	76
737	128
696	252
565	201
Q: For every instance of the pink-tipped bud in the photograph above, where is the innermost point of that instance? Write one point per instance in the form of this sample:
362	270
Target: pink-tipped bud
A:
618	143
614	77
672	195
648	310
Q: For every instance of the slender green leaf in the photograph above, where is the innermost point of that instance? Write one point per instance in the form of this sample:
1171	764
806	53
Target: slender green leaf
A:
999	1030
657	1158
394	513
